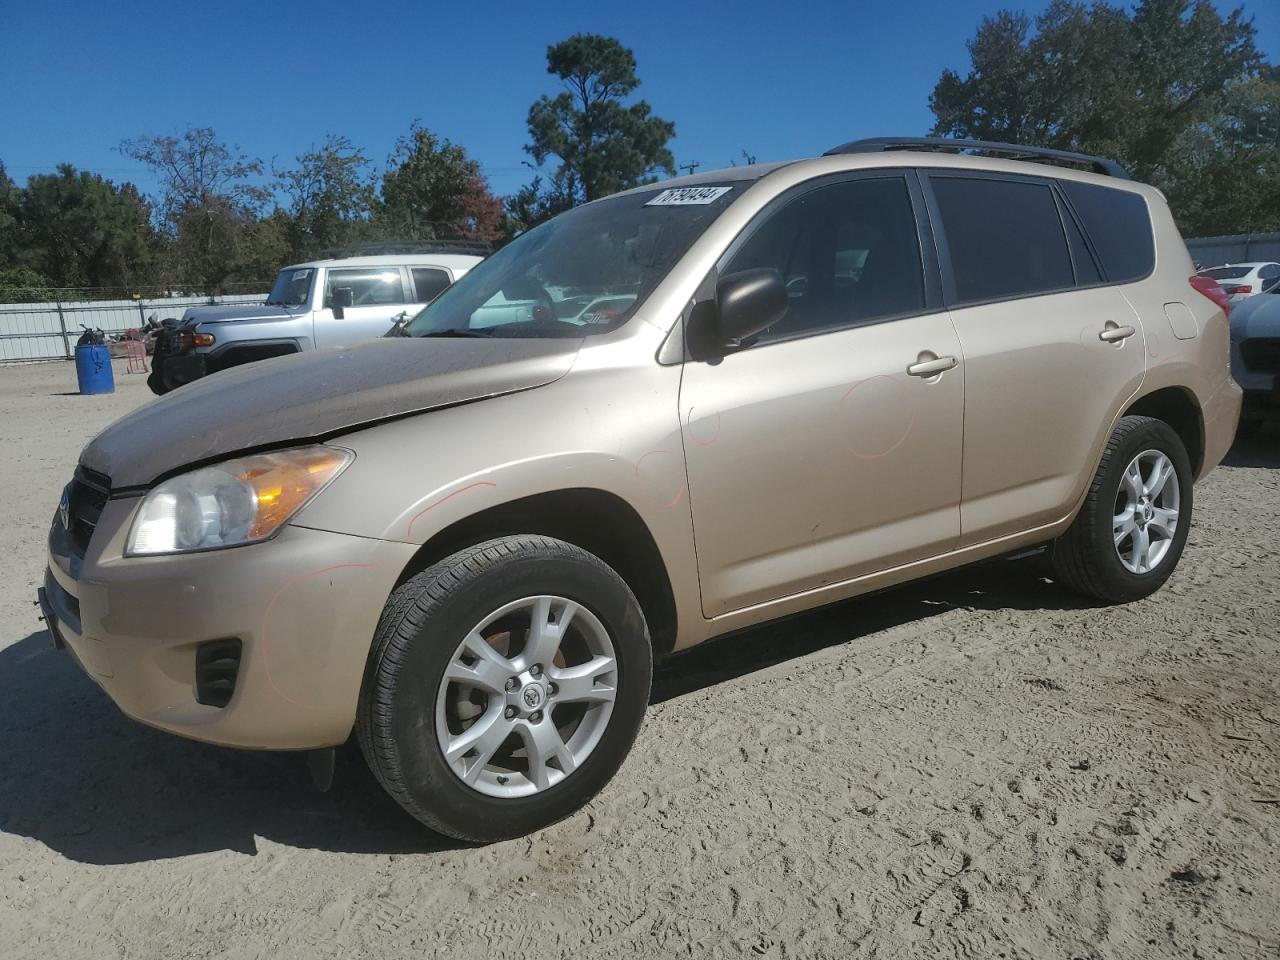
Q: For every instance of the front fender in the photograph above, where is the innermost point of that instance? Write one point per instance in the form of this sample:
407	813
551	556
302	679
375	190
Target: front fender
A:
616	431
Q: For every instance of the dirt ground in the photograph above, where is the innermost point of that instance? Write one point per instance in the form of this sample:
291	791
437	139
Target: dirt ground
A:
977	766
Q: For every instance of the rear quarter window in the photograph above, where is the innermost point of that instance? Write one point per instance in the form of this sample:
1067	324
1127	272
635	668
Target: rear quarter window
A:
1119	225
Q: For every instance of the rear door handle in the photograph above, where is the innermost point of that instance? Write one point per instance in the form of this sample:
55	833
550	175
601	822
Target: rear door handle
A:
1112	334
928	368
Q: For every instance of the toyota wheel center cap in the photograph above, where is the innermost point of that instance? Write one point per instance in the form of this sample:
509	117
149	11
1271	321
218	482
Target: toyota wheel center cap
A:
533	696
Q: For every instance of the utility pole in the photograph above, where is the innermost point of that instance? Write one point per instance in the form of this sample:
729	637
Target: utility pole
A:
689	168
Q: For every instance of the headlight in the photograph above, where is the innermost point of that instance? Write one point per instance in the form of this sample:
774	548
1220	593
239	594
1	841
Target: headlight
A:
240	501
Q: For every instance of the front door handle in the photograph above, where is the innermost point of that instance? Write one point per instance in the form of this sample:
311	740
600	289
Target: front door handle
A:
929	368
1114	334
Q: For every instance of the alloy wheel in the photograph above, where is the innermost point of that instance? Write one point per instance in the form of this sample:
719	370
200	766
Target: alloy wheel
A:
526	696
1146	512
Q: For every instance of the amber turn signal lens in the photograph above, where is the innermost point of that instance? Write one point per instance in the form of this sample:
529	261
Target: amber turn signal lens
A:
203	339
282	486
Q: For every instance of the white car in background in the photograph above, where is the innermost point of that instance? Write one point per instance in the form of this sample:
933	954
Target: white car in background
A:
1241	280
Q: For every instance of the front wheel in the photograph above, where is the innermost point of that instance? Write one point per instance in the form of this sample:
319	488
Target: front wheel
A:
505	686
1130	532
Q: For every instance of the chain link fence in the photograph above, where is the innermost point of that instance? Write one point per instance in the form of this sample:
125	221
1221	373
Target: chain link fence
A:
48	328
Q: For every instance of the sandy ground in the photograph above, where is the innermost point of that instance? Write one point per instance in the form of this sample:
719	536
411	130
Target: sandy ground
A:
977	766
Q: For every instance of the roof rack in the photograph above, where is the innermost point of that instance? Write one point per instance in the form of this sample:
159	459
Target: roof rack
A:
877	144
376	248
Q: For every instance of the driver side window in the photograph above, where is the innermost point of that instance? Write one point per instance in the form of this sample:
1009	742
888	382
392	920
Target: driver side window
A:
848	254
370	286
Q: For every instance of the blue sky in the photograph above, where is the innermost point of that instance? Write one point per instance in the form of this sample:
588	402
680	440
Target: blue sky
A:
778	79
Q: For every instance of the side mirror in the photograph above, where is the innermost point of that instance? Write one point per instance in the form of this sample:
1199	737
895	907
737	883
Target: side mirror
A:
343	297
746	303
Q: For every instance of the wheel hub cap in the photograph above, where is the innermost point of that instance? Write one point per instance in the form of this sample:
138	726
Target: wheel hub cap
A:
533	696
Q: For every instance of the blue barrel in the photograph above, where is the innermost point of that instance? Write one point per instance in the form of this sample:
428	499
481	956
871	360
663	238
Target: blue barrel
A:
93	369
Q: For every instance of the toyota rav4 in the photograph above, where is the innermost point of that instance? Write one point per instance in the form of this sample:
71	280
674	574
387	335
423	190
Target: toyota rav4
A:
727	398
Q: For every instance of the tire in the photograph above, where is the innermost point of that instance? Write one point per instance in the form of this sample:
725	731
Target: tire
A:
1087	558
410	712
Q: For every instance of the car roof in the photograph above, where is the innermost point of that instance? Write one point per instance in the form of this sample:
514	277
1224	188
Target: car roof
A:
449	260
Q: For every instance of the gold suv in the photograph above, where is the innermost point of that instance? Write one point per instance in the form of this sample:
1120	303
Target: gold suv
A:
662	416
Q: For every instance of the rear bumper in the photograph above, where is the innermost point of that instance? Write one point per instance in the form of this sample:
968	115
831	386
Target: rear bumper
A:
304	607
1221	417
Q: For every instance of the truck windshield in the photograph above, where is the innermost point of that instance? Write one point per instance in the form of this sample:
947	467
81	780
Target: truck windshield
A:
292	287
583	273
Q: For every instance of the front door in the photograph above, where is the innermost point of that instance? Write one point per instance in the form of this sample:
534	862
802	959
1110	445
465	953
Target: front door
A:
377	296
830	447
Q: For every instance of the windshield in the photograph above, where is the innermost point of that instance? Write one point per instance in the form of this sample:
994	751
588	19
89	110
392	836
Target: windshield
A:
583	273
292	287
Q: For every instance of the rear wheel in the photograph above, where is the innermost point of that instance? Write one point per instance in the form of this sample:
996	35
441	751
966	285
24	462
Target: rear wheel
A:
1130	532
505	686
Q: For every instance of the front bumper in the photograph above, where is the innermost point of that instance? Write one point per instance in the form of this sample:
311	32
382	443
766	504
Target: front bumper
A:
304	606
171	370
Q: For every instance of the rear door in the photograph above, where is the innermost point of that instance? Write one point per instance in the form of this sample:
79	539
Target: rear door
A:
814	454
377	293
1052	351
428	283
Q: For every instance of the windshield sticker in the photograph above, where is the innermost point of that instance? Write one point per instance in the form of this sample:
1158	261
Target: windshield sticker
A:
301	274
688	196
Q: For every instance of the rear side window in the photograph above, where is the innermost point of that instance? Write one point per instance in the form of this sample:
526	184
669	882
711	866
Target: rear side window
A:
1005	237
1086	269
1119	225
428	283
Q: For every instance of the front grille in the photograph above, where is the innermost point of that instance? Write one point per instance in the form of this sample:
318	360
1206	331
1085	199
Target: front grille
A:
1262	355
86	497
217	664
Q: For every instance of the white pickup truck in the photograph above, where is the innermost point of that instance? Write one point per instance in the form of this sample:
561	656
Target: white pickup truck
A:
324	303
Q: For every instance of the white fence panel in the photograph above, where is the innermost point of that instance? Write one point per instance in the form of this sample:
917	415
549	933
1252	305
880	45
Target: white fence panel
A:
48	331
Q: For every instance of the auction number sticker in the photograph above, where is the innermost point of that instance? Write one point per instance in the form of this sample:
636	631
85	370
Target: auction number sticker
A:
688	196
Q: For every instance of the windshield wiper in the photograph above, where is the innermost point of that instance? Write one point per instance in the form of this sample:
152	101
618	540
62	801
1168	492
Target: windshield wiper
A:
452	332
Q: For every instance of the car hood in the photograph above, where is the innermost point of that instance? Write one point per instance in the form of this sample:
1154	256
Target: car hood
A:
316	395
1256	316
243	311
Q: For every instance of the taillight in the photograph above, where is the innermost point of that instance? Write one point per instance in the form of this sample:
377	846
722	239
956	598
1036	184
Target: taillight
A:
1213	290
1232	290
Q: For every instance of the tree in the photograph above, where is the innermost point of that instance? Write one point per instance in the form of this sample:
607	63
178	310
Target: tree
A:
532	204
1223	175
433	190
330	196
1175	91
10	198
82	230
209	197
197	169
602	145
24	285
